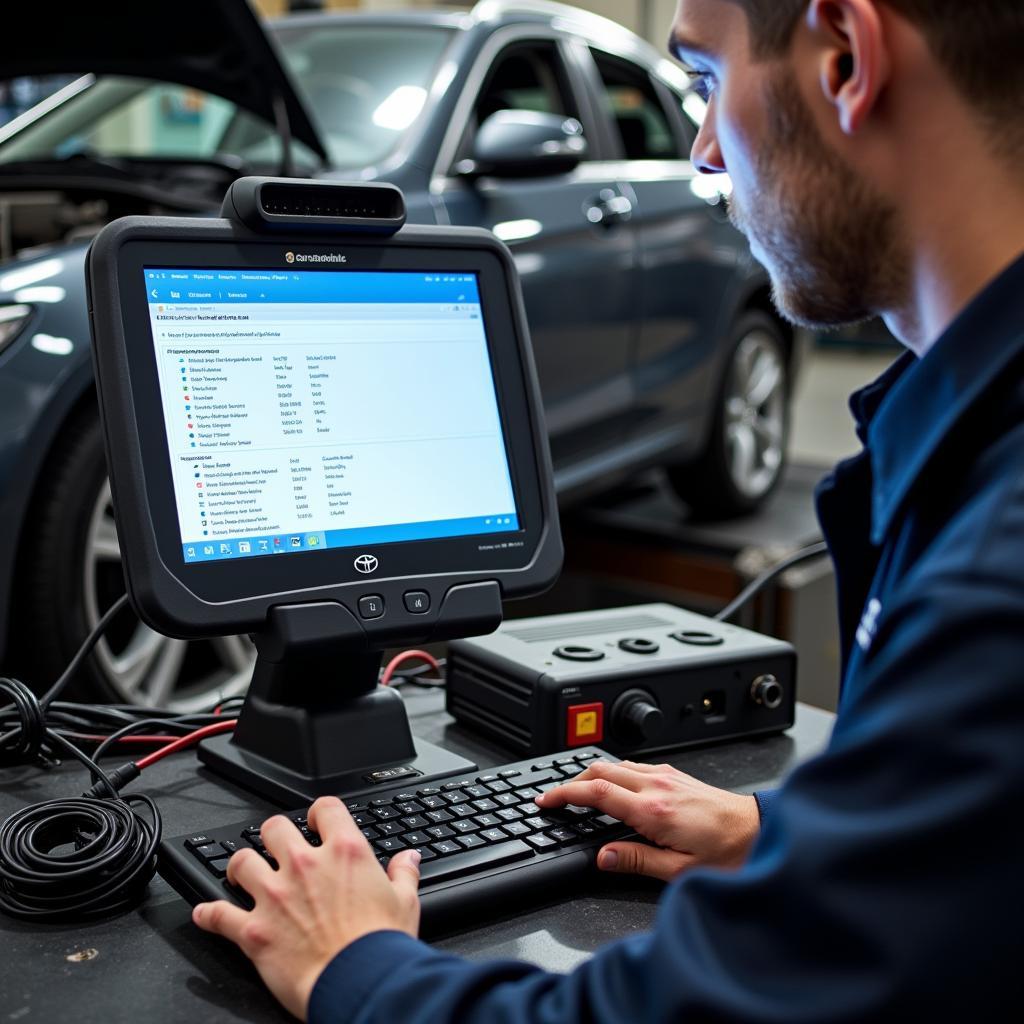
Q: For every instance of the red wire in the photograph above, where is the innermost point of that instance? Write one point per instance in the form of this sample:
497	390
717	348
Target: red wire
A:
399	659
138	738
186	741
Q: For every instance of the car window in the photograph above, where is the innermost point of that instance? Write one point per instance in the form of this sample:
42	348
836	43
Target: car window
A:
524	76
634	105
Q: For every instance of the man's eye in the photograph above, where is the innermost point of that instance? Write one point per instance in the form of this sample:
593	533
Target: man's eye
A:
703	84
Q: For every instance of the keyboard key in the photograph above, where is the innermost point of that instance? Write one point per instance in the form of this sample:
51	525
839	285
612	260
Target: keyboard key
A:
487	778
466	810
456	796
404	797
529	809
300	820
433	802
428	791
469	861
390	828
501	786
509	773
572	770
534	778
478	792
506	799
516	828
487	821
355	805
438	816
380	802
409	807
605	820
588	756
230	845
494	835
541	841
384	813
208	852
251	830
543	766
218	867
527	793
464	826
383	859
564	835
196	841
370	833
565	760
471	841
363	818
485	805
414	821
270	860
443	847
440	832
425	852
256	843
391	844
508	814
449	786
416	839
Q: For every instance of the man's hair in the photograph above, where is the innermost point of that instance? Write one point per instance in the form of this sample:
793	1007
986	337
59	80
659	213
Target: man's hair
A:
980	43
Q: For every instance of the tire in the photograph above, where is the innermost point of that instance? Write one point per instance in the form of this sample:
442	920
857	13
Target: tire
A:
745	457
71	574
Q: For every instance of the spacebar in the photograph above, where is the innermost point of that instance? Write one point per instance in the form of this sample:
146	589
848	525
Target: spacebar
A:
474	860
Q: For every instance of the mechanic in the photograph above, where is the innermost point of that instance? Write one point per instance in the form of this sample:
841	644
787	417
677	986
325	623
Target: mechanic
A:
875	150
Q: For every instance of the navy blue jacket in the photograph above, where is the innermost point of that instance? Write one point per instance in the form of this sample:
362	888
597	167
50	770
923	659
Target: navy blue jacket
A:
888	878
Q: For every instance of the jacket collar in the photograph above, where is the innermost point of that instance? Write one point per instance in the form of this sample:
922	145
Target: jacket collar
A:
907	414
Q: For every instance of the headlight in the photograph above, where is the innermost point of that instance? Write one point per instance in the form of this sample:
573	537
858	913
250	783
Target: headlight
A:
12	319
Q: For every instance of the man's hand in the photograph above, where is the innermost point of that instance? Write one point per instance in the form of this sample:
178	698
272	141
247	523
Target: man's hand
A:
318	902
694	824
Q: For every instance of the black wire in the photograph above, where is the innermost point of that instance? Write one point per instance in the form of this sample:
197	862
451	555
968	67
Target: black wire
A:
753	589
73	858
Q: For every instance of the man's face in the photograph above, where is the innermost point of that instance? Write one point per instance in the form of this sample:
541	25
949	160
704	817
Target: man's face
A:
829	242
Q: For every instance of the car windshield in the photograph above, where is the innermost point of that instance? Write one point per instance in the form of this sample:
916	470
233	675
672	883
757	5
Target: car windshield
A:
363	85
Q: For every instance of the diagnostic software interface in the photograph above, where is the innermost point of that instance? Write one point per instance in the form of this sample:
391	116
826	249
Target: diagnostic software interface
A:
318	409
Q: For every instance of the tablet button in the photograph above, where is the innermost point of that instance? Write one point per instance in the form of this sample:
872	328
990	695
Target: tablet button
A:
417	601
371	606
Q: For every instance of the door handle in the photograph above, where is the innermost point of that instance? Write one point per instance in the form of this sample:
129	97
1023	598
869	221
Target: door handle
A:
608	209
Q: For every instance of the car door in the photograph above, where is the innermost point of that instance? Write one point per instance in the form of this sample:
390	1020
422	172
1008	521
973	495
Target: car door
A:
574	252
687	250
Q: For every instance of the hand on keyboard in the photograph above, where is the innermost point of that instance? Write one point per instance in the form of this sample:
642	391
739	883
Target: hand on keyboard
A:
321	899
692	823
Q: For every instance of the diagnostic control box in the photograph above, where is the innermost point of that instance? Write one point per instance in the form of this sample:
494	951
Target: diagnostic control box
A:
632	680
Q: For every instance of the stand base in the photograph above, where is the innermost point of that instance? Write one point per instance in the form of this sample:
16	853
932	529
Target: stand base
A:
291	789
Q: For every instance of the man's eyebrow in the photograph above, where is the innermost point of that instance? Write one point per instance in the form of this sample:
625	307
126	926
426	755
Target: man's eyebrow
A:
678	45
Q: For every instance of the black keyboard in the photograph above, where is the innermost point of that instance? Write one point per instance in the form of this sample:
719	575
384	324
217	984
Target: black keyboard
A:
482	840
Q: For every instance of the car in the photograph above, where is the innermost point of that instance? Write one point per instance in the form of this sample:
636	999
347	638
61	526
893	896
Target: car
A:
655	337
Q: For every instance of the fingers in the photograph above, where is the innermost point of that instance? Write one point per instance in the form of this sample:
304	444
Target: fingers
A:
248	870
221	918
600	793
281	838
329	818
637	859
404	872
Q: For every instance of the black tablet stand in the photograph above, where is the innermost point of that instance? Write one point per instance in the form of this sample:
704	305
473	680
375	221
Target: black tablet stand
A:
315	720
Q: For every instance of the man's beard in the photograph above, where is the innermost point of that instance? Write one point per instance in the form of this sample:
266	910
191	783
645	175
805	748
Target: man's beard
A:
830	243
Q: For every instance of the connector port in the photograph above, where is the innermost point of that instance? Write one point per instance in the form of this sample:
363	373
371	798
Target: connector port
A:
712	704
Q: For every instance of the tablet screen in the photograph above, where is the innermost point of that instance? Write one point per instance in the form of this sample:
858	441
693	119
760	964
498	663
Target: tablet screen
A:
314	409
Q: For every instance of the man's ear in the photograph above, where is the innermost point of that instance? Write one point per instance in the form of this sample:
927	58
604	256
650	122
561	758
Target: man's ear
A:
854	62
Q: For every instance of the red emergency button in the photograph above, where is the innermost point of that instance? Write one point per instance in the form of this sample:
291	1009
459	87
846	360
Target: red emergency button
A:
585	724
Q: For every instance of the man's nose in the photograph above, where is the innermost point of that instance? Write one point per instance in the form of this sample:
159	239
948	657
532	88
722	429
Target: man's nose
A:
706	154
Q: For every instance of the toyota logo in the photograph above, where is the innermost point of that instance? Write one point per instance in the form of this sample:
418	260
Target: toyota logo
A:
366	563
289	257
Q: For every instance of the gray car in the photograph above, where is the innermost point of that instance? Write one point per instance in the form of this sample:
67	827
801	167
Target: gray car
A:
655	337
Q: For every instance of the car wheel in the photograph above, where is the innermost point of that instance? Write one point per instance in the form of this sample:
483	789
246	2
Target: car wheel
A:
73	574
746	452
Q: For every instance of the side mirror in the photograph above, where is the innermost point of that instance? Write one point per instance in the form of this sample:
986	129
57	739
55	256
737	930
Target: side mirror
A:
524	144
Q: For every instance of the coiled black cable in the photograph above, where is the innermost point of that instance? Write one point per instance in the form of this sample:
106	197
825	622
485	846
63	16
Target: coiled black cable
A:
80	857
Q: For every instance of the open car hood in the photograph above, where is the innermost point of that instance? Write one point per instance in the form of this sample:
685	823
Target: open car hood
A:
218	46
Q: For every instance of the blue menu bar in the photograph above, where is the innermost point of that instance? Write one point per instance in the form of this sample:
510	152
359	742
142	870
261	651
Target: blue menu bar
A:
168	286
247	547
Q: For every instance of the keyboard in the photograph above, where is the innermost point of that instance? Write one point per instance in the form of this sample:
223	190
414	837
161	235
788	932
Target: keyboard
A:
482	840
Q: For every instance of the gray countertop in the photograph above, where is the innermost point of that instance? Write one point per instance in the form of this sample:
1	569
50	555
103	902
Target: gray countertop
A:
152	964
